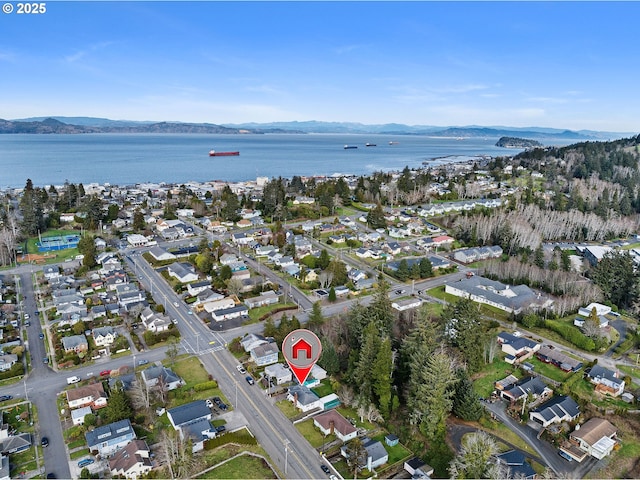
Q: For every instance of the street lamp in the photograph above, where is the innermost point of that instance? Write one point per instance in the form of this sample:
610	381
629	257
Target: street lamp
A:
286	455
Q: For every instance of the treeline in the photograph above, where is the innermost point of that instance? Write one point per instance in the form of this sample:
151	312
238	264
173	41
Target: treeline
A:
572	290
527	226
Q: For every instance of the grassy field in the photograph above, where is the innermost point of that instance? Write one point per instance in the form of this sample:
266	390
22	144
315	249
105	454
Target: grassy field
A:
56	256
312	434
484	380
287	408
323	389
246	466
548	370
256	313
192	372
396	453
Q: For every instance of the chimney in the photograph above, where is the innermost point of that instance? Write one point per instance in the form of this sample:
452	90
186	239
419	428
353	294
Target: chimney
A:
331	426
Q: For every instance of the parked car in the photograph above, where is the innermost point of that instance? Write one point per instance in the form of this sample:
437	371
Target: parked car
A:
45	360
325	469
44	442
221	428
104	373
241	369
4	398
41	336
143	362
175	304
85	462
249	379
209	403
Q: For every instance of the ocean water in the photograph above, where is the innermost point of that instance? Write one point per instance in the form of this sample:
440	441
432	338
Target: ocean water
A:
126	159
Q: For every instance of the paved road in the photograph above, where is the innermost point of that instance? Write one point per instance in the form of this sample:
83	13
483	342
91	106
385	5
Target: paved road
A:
545	450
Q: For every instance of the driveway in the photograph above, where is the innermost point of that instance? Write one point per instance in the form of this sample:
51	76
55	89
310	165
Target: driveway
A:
621	327
546	451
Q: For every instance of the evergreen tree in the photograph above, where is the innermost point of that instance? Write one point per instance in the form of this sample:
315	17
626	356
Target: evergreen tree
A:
465	400
231	204
380	309
403	270
270	329
616	276
138	221
323	260
119	406
382	372
421	341
329	359
430	392
426	268
363	374
464	331
87	247
375	217
316	320
332	295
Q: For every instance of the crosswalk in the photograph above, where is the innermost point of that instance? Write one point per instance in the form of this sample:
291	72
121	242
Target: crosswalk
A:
212	344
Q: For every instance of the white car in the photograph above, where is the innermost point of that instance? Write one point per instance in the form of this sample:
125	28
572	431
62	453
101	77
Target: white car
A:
176	304
241	369
209	403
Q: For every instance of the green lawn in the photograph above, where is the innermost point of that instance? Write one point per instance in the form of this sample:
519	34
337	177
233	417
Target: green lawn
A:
246	466
256	313
79	453
548	370
323	389
485	379
633	371
287	408
191	371
396	453
348	412
313	434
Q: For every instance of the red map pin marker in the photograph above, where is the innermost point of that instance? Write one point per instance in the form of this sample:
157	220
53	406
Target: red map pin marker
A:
301	349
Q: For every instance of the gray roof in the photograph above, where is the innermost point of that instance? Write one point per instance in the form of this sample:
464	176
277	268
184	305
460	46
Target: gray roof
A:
155	372
598	371
483	287
516	342
74	341
374	449
108	432
305	395
557	407
532	385
189	412
194	429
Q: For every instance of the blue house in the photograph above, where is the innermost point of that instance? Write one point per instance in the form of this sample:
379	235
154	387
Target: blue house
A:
108	439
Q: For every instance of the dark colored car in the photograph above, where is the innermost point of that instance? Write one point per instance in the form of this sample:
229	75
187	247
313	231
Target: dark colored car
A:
51	475
325	469
41	336
45	360
4	398
44	442
249	379
221	429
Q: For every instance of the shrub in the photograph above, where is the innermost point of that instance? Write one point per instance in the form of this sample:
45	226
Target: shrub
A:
205	386
571	334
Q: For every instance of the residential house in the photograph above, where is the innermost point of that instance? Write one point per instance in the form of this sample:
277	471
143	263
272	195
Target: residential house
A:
198	287
104	336
160	254
229	313
606	381
266	298
303	398
192	420
596	437
252	340
517	464
75	343
77	415
375	456
217	303
332	422
51	271
418	469
279	373
7	361
517	348
5	471
601	310
133	461
154	322
92	395
156	375
527	386
137	240
406	304
558	409
512	299
548	354
107	439
10	443
265	354
183	272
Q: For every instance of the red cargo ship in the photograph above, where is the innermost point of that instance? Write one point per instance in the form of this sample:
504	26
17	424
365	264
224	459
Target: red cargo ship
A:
213	153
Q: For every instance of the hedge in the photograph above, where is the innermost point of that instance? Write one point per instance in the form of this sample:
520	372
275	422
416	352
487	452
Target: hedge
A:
241	437
199	387
571	334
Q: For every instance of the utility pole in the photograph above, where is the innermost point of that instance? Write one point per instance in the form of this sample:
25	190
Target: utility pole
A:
286	454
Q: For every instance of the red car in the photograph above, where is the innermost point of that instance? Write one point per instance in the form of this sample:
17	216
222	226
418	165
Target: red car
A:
104	373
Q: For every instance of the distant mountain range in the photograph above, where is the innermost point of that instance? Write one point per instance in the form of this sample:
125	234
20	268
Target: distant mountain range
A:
103	125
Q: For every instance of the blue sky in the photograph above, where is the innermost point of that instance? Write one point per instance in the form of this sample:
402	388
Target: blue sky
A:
566	65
